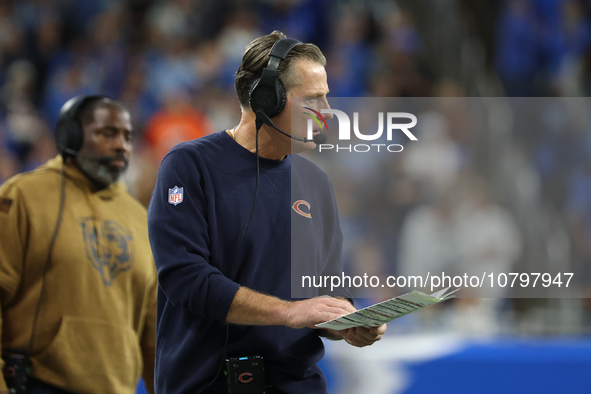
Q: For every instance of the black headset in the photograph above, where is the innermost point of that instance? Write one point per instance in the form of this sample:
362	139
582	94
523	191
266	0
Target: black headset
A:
268	93
69	134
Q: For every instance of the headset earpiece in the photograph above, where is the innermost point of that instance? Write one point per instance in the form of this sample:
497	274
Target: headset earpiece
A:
268	93
69	135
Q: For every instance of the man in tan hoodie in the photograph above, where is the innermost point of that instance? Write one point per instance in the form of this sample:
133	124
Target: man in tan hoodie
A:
77	278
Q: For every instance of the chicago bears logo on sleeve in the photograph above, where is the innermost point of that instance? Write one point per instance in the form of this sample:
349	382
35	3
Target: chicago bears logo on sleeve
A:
175	195
301	206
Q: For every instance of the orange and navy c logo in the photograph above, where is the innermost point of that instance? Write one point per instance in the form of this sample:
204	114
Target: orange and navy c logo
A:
245	377
296	207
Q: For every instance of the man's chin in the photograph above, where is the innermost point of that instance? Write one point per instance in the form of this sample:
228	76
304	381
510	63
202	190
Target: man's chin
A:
300	146
106	175
117	173
117	170
101	173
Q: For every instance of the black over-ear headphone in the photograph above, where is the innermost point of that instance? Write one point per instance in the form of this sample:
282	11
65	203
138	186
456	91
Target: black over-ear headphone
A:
68	130
268	93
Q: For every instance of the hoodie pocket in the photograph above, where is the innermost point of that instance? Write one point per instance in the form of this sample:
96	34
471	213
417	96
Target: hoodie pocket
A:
91	356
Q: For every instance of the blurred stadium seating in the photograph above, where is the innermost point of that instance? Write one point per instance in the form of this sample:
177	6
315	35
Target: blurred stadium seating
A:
172	63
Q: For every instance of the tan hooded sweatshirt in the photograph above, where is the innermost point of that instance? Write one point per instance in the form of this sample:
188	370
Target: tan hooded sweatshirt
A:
97	322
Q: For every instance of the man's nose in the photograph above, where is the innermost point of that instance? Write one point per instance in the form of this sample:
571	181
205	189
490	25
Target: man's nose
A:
122	144
326	105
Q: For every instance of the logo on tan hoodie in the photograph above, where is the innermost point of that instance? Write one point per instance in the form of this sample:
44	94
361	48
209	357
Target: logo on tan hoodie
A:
109	247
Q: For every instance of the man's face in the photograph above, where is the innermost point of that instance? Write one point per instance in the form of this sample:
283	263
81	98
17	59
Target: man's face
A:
311	93
107	145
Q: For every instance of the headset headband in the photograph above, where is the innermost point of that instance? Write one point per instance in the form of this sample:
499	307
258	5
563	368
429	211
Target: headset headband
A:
267	93
279	51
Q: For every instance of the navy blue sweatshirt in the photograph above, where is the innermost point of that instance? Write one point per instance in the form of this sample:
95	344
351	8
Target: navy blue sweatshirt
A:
198	211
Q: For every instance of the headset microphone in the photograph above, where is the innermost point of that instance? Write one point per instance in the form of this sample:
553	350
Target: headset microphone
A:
262	117
320	138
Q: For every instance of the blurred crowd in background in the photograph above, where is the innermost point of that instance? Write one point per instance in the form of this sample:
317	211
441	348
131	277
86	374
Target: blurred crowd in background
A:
516	196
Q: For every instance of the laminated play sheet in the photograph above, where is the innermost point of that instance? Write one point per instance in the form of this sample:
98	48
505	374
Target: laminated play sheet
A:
386	311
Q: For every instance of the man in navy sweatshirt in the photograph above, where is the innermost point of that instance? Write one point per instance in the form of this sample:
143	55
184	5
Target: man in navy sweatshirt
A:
226	292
